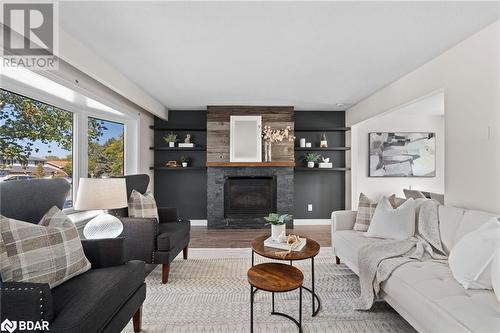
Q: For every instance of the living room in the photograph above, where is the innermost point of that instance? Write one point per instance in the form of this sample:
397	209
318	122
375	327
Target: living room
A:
281	166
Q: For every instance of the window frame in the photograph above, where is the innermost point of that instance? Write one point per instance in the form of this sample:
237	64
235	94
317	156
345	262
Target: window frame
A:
80	129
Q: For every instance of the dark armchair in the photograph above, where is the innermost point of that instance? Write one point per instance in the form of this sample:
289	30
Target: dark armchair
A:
155	242
102	299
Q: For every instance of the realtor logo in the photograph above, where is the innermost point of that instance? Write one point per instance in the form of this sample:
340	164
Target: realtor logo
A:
8	326
29	35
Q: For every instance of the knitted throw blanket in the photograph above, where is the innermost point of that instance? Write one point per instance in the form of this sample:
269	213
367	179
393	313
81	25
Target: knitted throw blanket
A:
378	261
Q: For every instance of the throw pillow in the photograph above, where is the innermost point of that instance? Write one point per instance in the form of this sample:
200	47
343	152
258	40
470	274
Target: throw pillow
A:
413	194
142	205
366	209
393	223
470	259
50	252
495	274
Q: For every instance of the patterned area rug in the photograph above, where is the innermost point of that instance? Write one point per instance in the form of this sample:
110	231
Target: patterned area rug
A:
210	293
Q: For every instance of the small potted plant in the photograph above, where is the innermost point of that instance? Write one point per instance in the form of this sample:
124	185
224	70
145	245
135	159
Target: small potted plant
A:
311	159
184	160
278	225
170	138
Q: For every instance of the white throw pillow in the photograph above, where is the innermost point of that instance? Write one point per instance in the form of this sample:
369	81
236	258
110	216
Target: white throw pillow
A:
393	223
470	259
495	274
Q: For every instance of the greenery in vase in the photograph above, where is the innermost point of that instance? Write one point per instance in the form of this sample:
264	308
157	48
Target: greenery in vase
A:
184	159
277	219
170	137
312	157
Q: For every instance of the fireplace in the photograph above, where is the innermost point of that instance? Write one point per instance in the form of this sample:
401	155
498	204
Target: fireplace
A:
239	197
249	196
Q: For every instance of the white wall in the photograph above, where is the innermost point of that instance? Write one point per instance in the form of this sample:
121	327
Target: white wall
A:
374	187
469	75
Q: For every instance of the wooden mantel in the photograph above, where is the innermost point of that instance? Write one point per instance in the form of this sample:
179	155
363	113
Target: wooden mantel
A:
287	164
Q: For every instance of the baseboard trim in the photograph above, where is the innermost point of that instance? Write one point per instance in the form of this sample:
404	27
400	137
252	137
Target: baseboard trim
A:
203	223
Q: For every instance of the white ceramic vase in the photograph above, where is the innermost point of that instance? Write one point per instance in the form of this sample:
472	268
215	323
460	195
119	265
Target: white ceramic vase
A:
277	230
310	164
171	144
184	164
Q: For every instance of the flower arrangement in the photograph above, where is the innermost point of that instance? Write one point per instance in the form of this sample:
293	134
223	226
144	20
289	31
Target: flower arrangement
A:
273	135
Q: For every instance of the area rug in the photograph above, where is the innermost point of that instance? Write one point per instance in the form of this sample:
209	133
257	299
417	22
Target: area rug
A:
209	293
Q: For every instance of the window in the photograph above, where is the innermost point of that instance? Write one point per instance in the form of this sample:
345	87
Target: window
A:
105	148
36	140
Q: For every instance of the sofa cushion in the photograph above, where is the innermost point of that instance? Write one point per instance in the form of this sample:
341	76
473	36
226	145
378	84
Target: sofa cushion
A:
471	221
172	235
86	302
449	221
349	242
428	291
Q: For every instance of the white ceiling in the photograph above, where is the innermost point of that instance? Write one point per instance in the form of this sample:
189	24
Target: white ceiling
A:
310	55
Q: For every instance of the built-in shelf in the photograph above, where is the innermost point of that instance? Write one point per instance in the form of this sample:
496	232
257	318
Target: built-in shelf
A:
252	164
321	169
177	129
331	129
321	149
178	148
176	169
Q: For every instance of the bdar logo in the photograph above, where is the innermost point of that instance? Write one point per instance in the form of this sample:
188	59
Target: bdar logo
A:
9	326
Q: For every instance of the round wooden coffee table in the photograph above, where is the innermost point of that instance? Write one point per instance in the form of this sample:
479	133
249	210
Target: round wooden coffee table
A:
309	251
275	278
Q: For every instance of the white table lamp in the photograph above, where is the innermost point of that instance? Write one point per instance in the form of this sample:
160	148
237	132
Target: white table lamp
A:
105	193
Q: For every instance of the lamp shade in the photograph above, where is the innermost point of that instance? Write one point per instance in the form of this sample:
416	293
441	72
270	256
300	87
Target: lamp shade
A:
97	193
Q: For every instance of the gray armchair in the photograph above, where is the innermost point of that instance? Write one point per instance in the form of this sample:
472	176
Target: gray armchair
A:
155	242
102	299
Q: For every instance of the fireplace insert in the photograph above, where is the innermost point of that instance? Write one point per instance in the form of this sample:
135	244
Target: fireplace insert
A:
249	196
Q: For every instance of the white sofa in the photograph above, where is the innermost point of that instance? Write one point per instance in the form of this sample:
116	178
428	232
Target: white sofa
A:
426	294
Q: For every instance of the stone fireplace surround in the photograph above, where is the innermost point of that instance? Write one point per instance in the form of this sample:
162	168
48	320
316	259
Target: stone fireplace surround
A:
216	177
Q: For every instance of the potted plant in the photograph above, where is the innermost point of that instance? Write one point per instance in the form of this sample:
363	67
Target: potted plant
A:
184	160
311	159
278	225
170	138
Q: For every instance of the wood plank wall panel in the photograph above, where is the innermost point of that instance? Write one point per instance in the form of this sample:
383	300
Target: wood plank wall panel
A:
218	118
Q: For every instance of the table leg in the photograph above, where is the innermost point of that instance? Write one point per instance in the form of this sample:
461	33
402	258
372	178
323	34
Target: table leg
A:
313	294
251	309
273	301
300	309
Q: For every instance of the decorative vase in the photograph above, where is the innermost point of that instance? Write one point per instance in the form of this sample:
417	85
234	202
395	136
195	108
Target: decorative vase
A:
310	164
267	152
302	142
277	230
323	143
171	144
184	164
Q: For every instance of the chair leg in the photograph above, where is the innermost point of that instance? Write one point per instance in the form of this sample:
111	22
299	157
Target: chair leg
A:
165	269
137	320
185	253
337	260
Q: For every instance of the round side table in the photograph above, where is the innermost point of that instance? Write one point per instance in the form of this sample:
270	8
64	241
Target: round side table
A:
275	278
310	250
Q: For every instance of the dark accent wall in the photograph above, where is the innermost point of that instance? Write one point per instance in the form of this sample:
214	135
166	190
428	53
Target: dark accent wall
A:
324	189
187	189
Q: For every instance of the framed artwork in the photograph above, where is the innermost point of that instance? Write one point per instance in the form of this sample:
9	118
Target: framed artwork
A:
402	154
245	135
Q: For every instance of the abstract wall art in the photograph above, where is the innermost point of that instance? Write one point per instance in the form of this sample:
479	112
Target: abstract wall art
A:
402	154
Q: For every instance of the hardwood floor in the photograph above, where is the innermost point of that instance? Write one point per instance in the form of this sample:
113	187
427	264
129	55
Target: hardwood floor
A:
201	237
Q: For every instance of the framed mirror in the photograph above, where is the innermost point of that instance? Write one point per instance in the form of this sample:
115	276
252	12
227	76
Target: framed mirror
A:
245	139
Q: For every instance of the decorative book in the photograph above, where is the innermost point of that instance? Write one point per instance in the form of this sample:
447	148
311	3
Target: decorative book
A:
323	165
185	145
284	246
